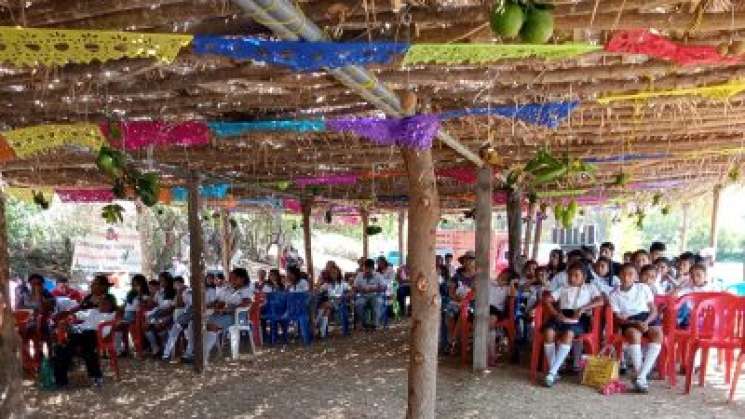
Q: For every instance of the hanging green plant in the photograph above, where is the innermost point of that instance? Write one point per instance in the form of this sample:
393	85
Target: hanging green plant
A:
665	210
622	178
507	18
734	174
40	200
110	162
656	199
113	213
567	217
373	230
640	214
558	213
147	187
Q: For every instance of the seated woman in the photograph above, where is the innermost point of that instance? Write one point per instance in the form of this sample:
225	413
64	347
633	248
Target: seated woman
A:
575	301
238	295
82	338
274	282
333	289
160	318
139	292
41	302
296	280
634	310
368	288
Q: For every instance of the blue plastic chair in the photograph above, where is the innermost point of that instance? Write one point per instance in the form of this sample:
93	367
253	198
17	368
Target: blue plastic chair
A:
276	303
298	312
737	289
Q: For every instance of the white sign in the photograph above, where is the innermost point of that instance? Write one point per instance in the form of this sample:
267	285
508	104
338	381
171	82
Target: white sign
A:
110	250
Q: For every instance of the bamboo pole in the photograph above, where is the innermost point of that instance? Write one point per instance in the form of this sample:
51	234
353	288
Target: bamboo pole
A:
714	228
529	227
225	254
196	251
307	206
483	264
514	226
538	231
401	248
365	237
11	376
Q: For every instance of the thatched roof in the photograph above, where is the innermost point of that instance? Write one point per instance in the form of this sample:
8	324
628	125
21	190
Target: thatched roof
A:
697	140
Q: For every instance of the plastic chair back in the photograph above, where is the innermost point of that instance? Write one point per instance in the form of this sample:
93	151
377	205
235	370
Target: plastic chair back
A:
737	289
22	317
297	305
277	302
716	318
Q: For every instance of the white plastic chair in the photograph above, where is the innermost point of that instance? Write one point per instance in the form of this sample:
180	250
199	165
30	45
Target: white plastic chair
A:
235	330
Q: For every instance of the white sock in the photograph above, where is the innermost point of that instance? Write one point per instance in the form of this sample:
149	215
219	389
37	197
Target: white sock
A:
653	351
210	338
549	349
561	354
577	349
635	352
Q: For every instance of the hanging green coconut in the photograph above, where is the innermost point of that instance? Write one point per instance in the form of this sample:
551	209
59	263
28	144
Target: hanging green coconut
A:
110	162
507	18
558	213
539	25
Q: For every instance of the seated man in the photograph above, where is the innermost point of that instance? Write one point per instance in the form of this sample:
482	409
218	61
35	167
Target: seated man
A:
83	338
368	287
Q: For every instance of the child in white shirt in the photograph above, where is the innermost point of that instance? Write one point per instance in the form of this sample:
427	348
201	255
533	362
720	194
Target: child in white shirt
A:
634	310
575	301
499	291
602	277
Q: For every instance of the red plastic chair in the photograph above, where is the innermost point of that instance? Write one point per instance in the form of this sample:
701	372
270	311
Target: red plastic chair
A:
466	331
722	326
107	344
22	318
613	337
137	331
255	317
590	341
678	343
738	369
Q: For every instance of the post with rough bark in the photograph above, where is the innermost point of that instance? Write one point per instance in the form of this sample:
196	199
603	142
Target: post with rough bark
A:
365	237
11	375
307	206
684	228
714	233
529	227
225	242
514	225
401	247
425	323
146	243
483	265
196	258
539	216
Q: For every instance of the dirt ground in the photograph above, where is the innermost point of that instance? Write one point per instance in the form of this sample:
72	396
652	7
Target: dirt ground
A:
359	377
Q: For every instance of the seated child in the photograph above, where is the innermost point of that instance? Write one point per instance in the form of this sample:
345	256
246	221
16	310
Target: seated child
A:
634	310
575	302
499	290
83	338
698	283
648	275
602	277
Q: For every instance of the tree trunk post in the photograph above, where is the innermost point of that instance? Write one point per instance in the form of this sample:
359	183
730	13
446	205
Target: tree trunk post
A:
684	228
146	234
483	265
11	375
529	228
225	233
307	206
196	257
714	232
539	215
365	215
514	226
401	246
425	323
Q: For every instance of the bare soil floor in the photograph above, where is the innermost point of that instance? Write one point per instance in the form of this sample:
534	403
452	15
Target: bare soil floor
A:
359	377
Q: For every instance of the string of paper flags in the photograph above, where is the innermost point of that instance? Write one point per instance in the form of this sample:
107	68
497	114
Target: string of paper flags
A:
34	46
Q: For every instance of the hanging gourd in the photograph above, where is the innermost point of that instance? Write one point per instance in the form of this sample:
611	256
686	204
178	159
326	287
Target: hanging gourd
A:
373	230
507	18
539	24
40	200
110	162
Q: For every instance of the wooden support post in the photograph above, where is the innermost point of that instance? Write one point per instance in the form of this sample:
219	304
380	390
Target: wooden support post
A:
529	228
514	226
539	215
365	238
307	206
11	375
401	246
714	232
146	244
483	265
684	228
196	257
225	242
425	323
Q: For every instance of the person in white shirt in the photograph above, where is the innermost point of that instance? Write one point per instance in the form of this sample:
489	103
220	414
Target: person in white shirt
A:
368	287
388	274
184	322
160	318
240	295
648	276
500	289
83	339
332	290
634	310
602	277
575	302
698	282
297	280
